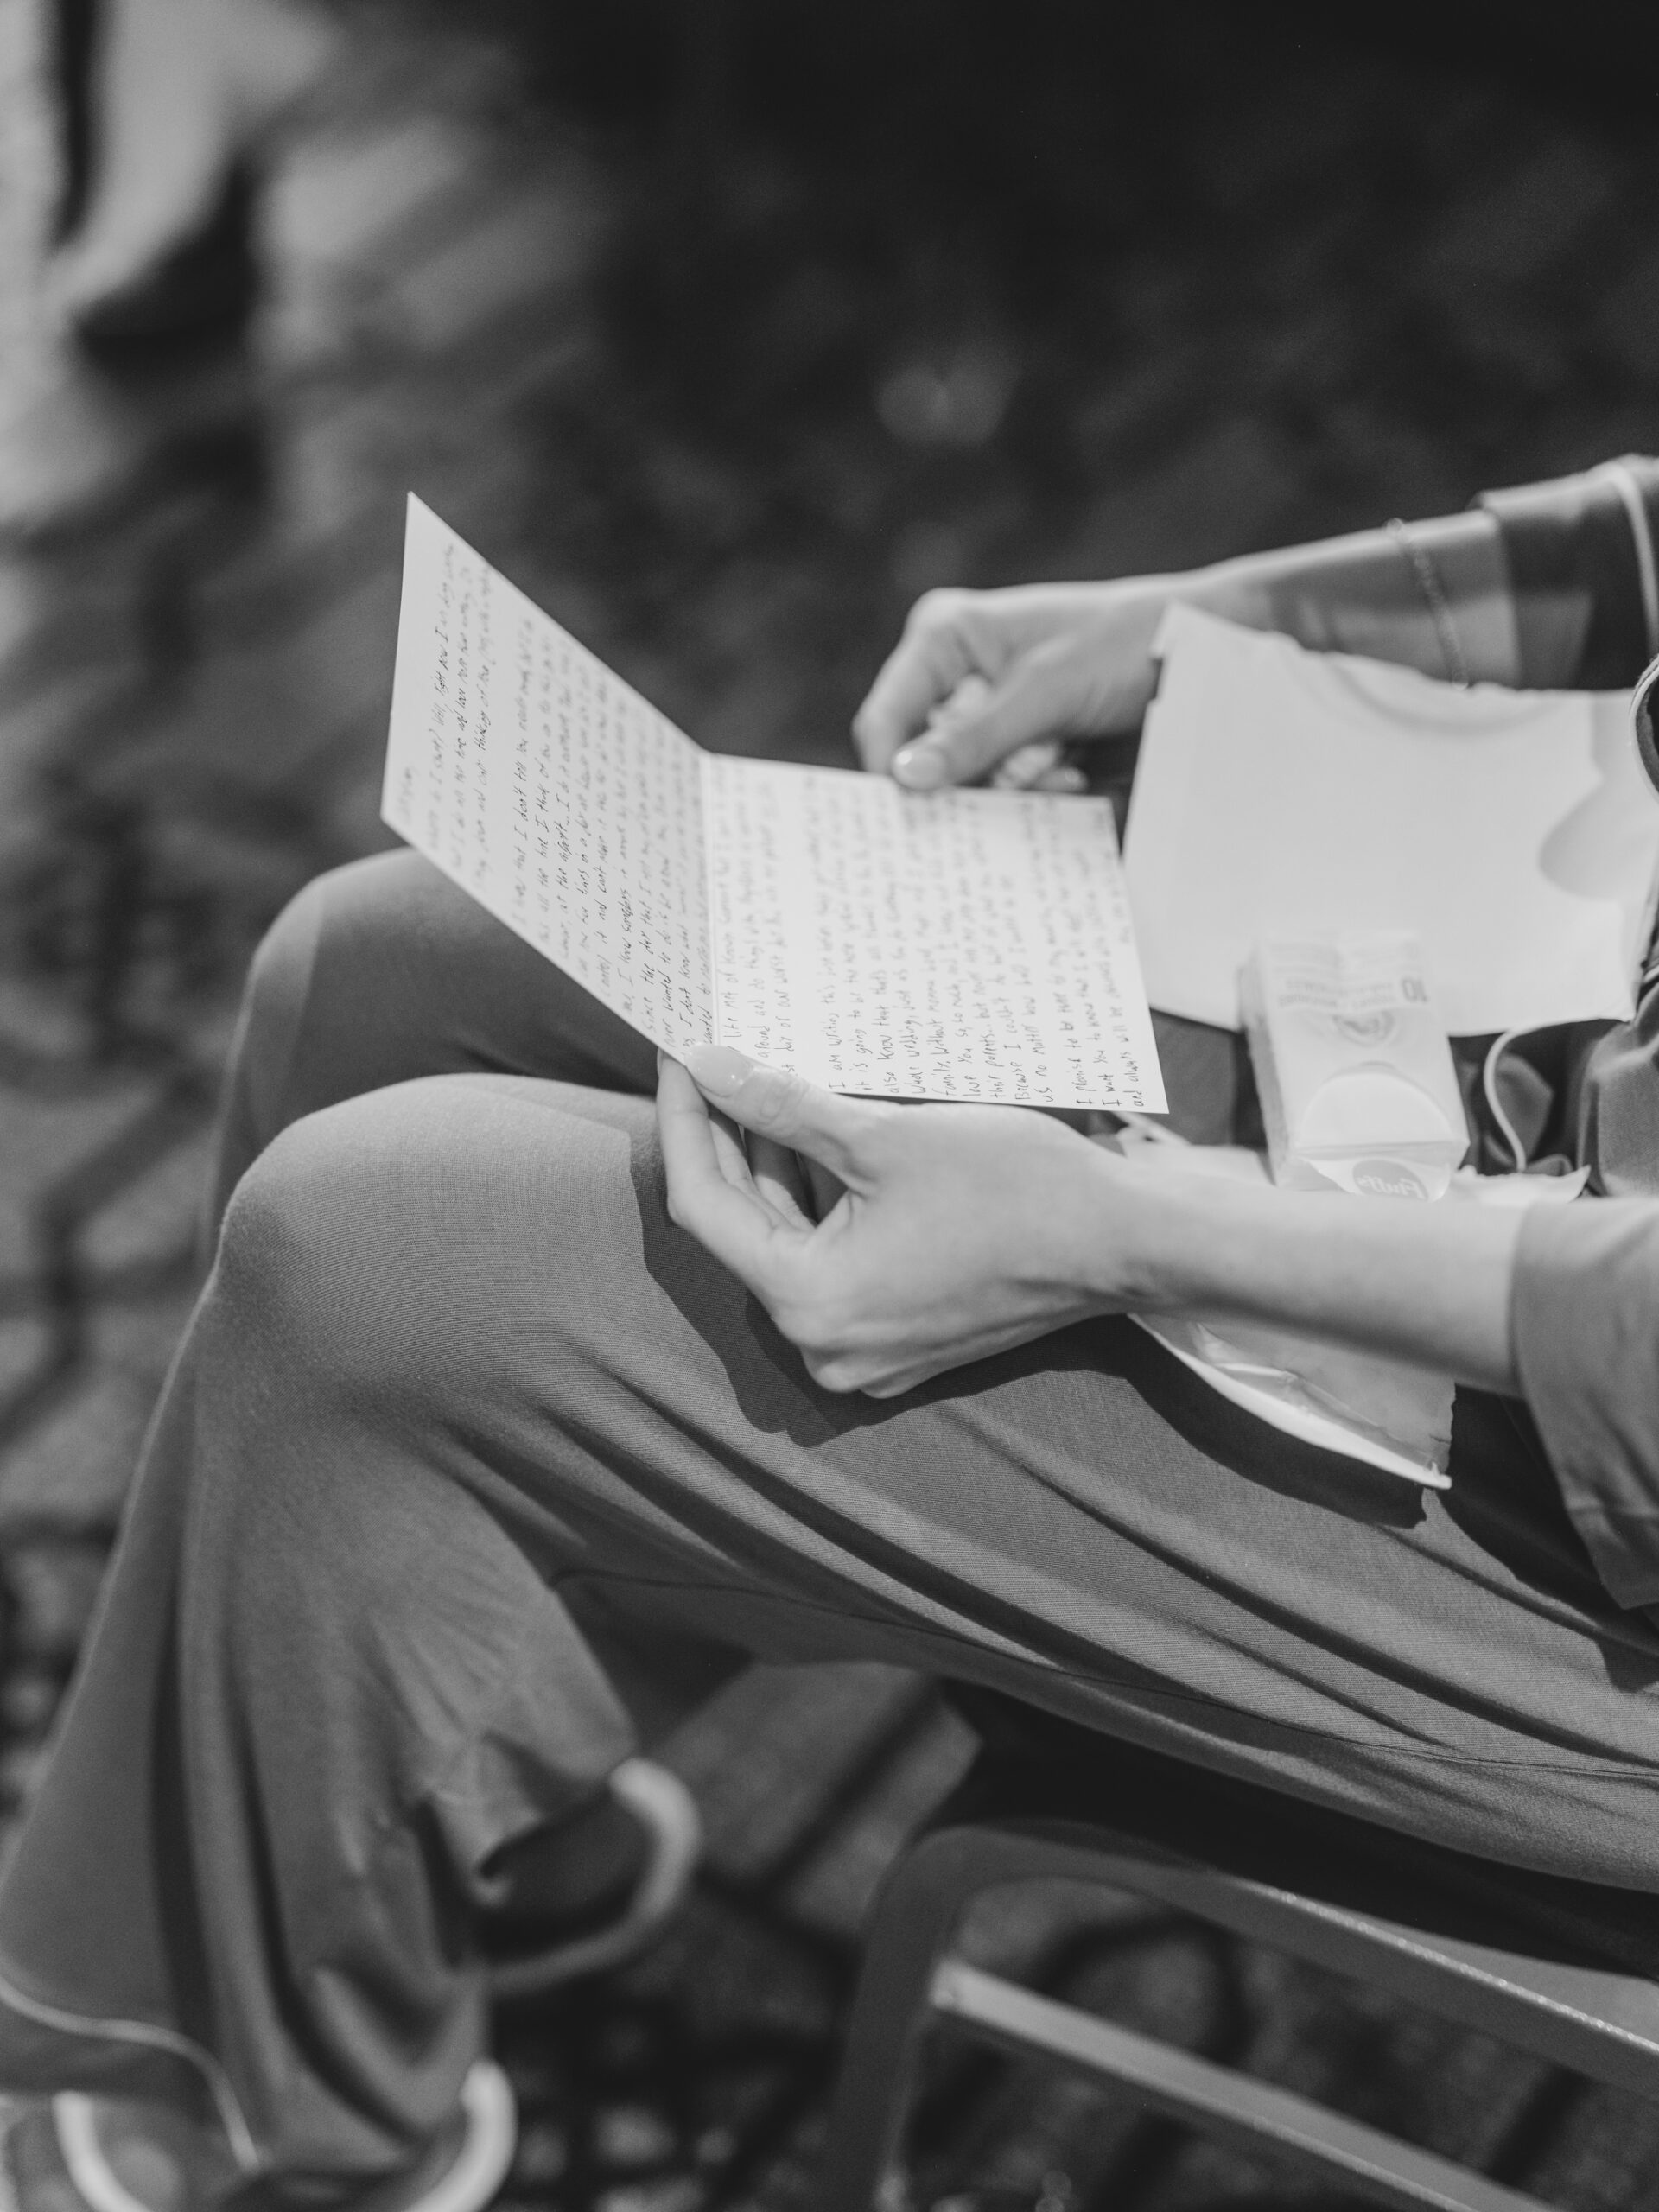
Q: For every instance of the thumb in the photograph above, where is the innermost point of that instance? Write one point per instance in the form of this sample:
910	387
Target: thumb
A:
969	740
772	1103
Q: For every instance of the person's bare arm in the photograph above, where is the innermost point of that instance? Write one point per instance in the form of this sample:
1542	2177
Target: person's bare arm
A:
1058	661
961	1230
1431	1284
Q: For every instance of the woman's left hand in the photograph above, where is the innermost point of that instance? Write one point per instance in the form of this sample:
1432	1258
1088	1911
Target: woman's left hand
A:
959	1230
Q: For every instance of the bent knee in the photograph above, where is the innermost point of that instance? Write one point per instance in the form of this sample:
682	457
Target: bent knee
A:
363	904
389	1243
294	1281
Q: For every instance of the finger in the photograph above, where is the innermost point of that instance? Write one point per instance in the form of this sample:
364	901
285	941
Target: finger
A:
1034	701
779	1191
826	1190
728	1143
1027	765
731	1152
967	698
820	1124
919	674
1065	780
780	1181
726	1218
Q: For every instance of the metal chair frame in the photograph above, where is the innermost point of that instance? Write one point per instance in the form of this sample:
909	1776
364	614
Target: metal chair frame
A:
1599	2021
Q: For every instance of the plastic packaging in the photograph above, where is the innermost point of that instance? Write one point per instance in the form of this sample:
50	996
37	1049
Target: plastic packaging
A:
1352	1065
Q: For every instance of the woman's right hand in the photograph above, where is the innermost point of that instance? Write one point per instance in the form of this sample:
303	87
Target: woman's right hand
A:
978	675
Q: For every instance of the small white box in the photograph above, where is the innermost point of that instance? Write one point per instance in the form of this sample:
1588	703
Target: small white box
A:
1352	1065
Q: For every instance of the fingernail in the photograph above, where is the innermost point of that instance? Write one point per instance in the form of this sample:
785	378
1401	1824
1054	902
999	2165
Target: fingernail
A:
923	767
717	1067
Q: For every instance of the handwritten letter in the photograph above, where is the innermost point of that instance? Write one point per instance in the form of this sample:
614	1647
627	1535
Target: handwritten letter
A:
966	944
963	944
545	786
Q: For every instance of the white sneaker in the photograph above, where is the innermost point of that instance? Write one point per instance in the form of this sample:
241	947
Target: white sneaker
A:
76	2153
665	1811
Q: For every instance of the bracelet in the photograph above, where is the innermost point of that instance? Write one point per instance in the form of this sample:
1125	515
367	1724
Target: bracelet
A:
1440	607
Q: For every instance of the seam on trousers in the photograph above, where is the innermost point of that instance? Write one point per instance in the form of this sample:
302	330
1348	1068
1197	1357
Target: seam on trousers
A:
1195	1698
142	2035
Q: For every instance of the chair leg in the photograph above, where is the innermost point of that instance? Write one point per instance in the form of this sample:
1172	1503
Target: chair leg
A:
918	1912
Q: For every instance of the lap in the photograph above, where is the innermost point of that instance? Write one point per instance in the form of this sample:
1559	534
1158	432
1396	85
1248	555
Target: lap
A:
1079	1520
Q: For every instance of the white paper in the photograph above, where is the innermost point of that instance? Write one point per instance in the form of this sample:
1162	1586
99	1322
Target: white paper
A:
1276	1395
968	945
549	789
1280	790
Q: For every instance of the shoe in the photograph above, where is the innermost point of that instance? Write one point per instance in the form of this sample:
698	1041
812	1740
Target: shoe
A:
75	2153
663	1816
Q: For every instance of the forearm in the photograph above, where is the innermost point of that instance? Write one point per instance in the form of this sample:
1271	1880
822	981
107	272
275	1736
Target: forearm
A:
1551	584
1432	1285
1365	593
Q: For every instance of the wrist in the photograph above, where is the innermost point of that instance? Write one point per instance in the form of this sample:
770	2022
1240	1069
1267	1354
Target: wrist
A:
1239	590
1140	1236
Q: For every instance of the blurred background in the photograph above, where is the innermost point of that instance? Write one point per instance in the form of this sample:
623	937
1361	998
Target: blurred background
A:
724	330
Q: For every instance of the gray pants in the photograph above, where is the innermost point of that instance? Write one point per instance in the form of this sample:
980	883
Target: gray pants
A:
470	1464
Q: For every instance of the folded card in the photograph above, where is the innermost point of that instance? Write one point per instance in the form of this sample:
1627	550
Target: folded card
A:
966	944
1512	832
